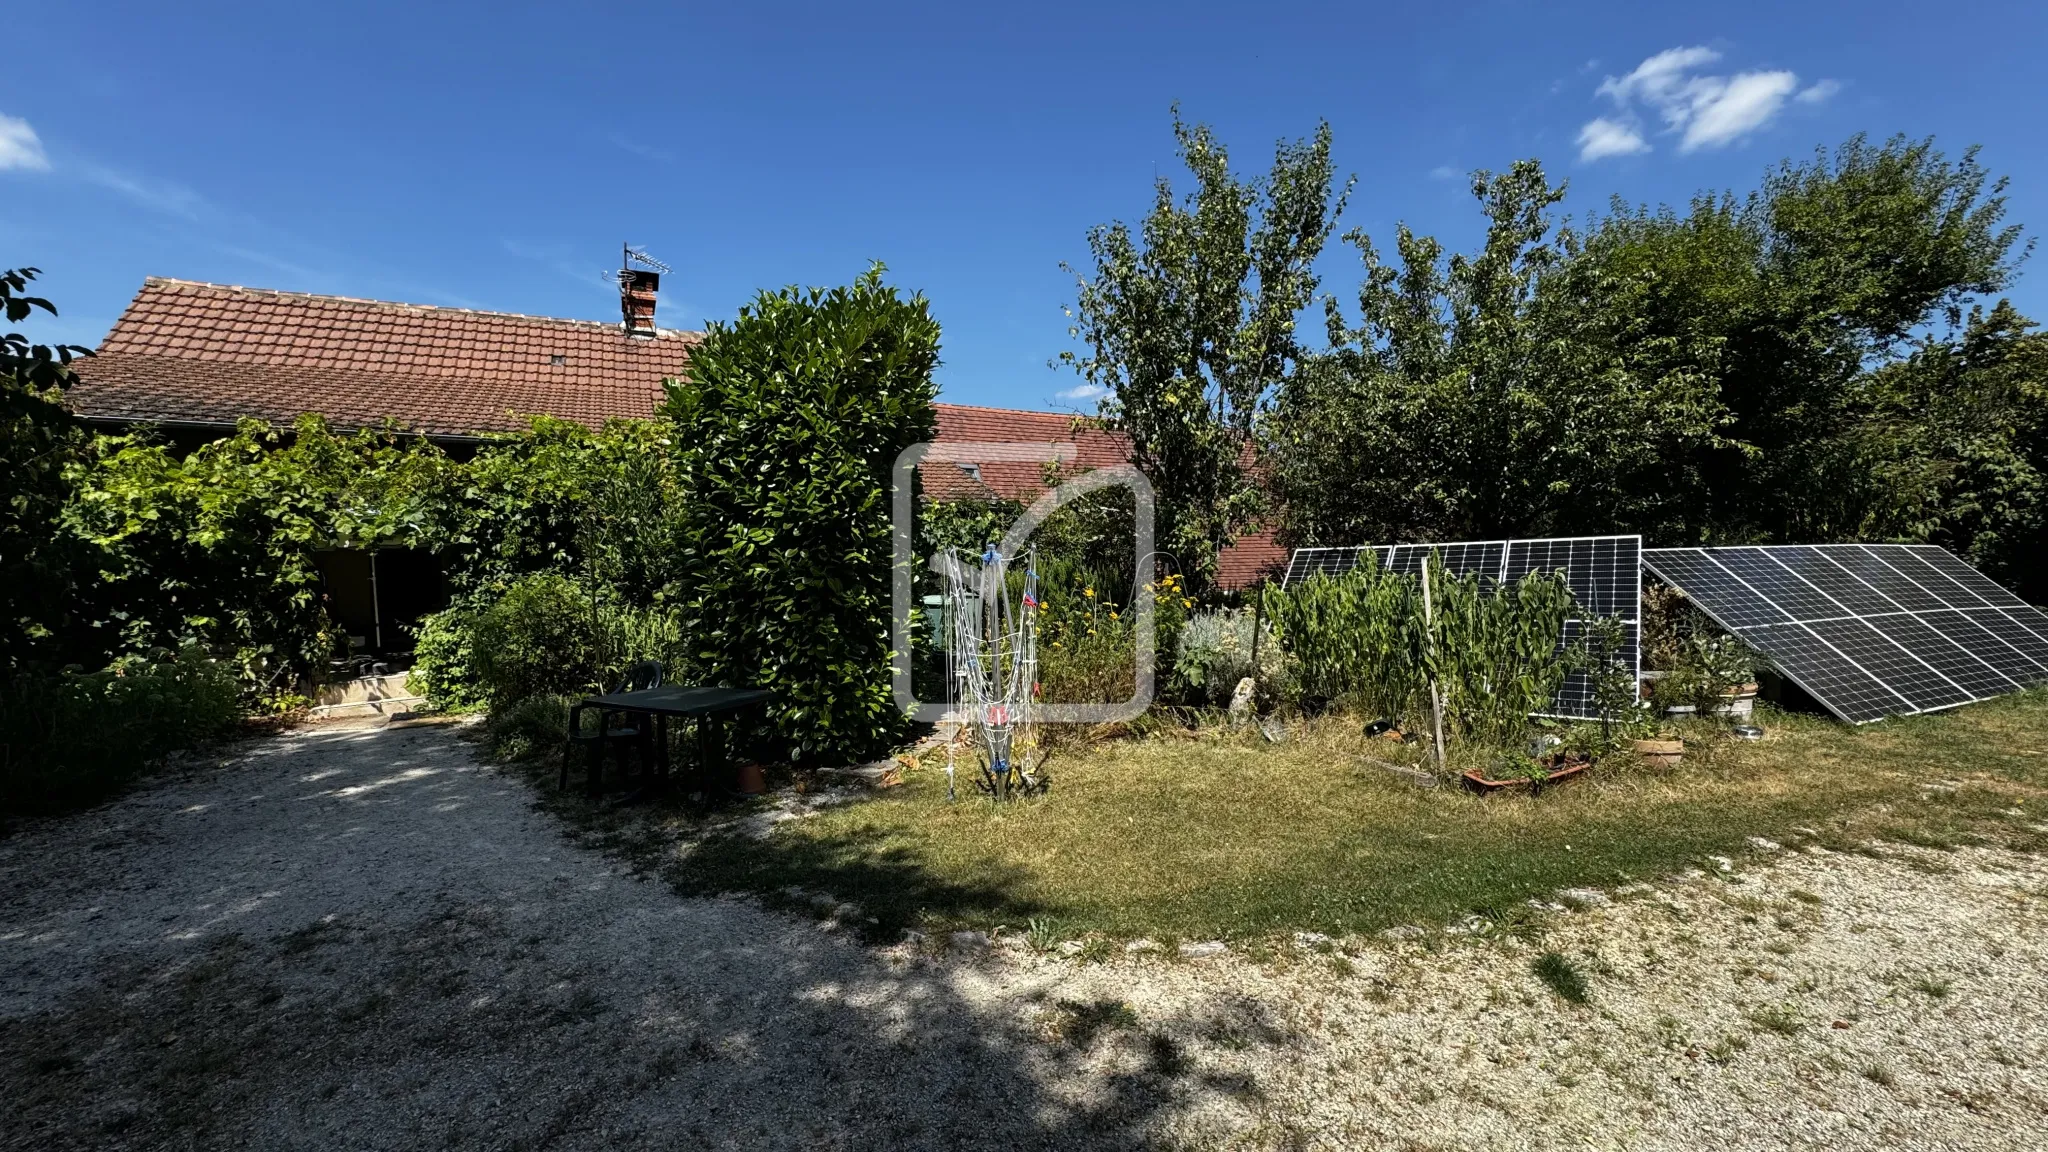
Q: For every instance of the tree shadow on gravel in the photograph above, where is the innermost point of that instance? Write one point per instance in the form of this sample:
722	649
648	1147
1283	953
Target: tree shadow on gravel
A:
557	1005
892	888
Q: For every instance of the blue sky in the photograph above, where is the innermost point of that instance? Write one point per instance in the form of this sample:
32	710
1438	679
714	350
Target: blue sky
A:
495	156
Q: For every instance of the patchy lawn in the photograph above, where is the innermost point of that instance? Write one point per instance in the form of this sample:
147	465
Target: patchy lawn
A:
1215	836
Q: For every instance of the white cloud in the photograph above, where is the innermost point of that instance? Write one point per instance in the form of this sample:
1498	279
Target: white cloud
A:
1445	172
1820	91
1730	110
1706	110
1084	392
1603	137
20	147
160	196
1661	80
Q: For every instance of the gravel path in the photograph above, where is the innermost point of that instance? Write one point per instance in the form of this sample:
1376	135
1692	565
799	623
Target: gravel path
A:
354	937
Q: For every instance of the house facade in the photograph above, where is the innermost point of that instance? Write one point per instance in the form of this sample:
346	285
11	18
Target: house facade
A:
192	358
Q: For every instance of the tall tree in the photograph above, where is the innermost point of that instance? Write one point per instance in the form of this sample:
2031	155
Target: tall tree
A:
1497	393
1787	298
1955	447
1189	327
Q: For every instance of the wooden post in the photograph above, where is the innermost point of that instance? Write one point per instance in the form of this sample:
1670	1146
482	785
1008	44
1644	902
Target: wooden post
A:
1258	616
1436	704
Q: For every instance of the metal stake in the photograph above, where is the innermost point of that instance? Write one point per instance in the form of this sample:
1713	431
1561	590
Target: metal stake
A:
1436	703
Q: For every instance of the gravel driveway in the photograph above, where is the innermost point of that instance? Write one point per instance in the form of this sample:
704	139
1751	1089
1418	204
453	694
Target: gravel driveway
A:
361	937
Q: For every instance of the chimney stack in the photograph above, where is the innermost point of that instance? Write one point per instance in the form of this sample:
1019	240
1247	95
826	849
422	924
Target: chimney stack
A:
636	300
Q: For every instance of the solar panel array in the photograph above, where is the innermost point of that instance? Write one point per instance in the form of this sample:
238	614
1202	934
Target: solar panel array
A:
1604	572
1868	630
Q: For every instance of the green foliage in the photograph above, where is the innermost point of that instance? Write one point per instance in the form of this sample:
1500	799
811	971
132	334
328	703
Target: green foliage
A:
216	548
1190	324
1699	663
443	670
1610	668
39	440
563	497
1481	396
540	638
1215	653
1087	634
1357	638
1730	373
785	433
1957	435
529	727
1787	299
72	738
548	635
1562	977
1496	653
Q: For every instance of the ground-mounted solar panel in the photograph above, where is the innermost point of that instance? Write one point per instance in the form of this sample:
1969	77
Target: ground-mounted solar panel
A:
1604	573
1868	630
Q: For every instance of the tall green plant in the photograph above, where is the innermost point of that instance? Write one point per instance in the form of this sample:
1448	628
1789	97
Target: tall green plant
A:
785	433
39	442
1356	638
1496	653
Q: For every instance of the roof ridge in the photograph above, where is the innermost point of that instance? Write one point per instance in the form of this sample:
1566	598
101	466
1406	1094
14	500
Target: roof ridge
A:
1023	411
282	293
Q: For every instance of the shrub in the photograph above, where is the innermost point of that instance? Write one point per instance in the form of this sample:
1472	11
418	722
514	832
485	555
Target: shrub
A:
530	727
785	433
442	670
1090	665
1215	652
73	738
540	638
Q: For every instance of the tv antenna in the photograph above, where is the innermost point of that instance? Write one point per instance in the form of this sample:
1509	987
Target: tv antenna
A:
631	255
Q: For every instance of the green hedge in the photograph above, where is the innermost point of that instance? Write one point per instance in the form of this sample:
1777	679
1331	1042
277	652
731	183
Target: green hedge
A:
786	431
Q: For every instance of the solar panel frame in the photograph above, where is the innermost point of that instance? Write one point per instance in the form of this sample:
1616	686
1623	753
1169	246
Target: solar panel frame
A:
1603	583
1869	630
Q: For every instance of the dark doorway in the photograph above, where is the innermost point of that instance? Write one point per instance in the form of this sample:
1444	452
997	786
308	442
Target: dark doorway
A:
379	596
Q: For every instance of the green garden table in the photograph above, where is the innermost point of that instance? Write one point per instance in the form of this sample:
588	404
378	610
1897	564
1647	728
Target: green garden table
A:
711	708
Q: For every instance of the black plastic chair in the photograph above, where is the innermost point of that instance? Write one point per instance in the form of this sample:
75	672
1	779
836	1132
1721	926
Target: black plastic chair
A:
615	729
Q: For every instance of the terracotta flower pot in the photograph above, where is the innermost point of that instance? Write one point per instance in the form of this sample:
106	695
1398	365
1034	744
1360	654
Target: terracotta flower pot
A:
1561	768
1661	753
752	781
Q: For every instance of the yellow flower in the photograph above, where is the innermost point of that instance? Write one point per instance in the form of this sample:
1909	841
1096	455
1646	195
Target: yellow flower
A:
1088	592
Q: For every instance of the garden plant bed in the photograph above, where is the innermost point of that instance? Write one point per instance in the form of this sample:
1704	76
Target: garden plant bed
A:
1478	781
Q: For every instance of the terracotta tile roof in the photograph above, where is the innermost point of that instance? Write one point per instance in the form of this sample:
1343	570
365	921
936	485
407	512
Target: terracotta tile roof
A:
1243	563
189	352
1250	558
208	354
1024	481
945	480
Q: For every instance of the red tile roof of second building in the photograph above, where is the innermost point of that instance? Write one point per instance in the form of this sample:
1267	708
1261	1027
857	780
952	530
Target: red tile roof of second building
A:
190	352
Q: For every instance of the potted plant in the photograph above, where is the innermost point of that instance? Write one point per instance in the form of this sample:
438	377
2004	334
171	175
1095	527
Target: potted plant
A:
1532	772
1662	750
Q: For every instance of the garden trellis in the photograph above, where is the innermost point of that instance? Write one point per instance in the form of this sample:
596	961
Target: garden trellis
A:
992	669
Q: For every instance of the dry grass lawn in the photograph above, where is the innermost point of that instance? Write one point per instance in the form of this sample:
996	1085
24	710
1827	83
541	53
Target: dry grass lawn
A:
1219	836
